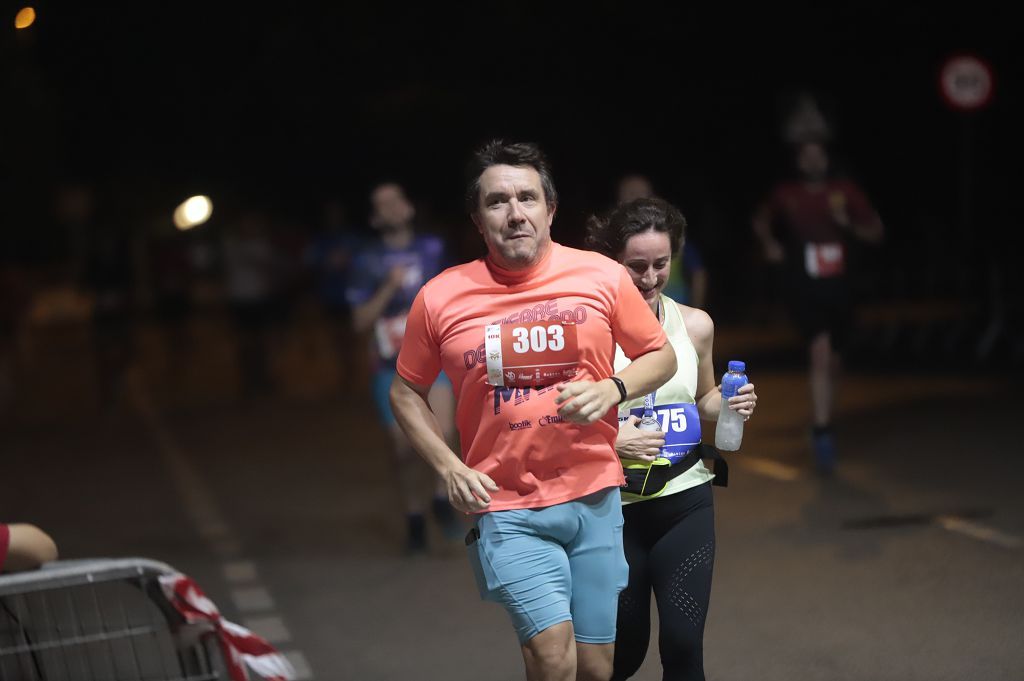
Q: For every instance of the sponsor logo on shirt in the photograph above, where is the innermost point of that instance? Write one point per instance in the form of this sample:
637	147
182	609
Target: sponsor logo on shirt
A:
516	396
522	425
545	312
549	420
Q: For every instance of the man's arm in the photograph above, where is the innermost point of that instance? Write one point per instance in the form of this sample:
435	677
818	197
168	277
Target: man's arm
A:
467	488
365	315
29	548
587	401
856	215
869	229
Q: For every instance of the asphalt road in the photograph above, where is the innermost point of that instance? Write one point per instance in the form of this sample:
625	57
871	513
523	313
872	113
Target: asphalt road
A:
907	565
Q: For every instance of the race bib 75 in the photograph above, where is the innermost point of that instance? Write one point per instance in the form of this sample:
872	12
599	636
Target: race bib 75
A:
679	422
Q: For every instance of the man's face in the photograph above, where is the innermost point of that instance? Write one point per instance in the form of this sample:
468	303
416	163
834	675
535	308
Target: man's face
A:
812	161
513	216
391	209
634	187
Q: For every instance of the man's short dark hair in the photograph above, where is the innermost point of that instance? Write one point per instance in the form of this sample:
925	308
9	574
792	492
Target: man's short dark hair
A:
519	154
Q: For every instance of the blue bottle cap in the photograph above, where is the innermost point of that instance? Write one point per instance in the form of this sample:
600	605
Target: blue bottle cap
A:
737	366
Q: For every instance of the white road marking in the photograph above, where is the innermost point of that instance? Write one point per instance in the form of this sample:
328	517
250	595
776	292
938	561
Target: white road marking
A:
240	571
979	531
252	599
299	663
227	548
270	627
200	504
769	469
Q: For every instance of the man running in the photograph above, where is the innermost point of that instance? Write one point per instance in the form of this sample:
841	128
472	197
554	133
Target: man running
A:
527	336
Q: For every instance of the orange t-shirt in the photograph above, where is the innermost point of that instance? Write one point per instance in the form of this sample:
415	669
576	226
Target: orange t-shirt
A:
514	435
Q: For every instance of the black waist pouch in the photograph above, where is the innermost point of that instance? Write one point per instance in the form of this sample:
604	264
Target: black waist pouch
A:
649	480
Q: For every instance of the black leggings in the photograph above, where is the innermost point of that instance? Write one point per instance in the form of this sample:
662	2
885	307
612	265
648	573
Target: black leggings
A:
670	547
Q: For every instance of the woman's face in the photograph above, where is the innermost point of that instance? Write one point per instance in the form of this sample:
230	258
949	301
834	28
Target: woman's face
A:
648	257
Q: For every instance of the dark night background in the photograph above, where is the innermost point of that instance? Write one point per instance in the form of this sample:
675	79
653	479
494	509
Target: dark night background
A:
286	106
145	411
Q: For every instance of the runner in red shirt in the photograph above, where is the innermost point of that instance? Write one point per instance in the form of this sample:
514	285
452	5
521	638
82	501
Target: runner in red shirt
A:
527	336
805	227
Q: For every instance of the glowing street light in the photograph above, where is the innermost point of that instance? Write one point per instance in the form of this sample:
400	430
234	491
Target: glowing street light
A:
26	17
193	212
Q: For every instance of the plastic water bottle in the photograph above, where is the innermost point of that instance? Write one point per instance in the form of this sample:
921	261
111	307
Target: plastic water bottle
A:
729	431
649	421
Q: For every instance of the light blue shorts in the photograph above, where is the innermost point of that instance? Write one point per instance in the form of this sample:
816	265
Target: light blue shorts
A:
554	564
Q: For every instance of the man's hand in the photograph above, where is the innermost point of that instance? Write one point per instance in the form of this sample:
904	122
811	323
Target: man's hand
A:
467	489
633	443
586	401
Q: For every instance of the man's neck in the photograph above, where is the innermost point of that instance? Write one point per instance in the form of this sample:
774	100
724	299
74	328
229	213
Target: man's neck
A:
518	265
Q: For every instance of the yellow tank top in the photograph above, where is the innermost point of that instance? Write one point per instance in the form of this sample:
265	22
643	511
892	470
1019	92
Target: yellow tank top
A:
680	389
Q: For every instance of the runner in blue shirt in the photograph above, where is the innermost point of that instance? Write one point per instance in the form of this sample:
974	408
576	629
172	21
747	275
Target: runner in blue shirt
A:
385	276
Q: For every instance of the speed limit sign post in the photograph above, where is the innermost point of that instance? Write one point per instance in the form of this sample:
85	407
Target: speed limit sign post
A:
967	84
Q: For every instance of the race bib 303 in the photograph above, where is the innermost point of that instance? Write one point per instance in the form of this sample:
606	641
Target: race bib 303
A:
529	354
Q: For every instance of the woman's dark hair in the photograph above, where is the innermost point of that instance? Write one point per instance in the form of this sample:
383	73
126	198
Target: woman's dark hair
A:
609	235
498	153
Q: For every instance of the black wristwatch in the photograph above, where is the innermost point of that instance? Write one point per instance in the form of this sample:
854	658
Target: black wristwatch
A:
622	388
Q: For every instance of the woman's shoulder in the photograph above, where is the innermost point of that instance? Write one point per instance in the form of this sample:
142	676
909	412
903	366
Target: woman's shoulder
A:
699	325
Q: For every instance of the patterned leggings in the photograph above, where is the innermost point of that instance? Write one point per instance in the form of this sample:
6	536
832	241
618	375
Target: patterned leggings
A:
670	547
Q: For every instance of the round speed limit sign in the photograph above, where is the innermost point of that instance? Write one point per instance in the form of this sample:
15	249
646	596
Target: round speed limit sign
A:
966	82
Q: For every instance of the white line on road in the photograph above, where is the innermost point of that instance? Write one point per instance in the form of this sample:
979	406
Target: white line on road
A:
227	548
979	531
201	504
212	531
769	469
240	571
252	599
299	663
271	628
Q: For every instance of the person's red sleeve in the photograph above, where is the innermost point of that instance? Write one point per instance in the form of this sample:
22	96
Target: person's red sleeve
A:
419	360
634	327
5	543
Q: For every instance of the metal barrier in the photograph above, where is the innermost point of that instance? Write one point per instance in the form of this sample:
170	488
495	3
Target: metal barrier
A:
100	620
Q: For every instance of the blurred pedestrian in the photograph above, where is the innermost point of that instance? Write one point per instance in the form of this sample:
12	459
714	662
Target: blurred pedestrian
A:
386	275
805	227
251	284
110	277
